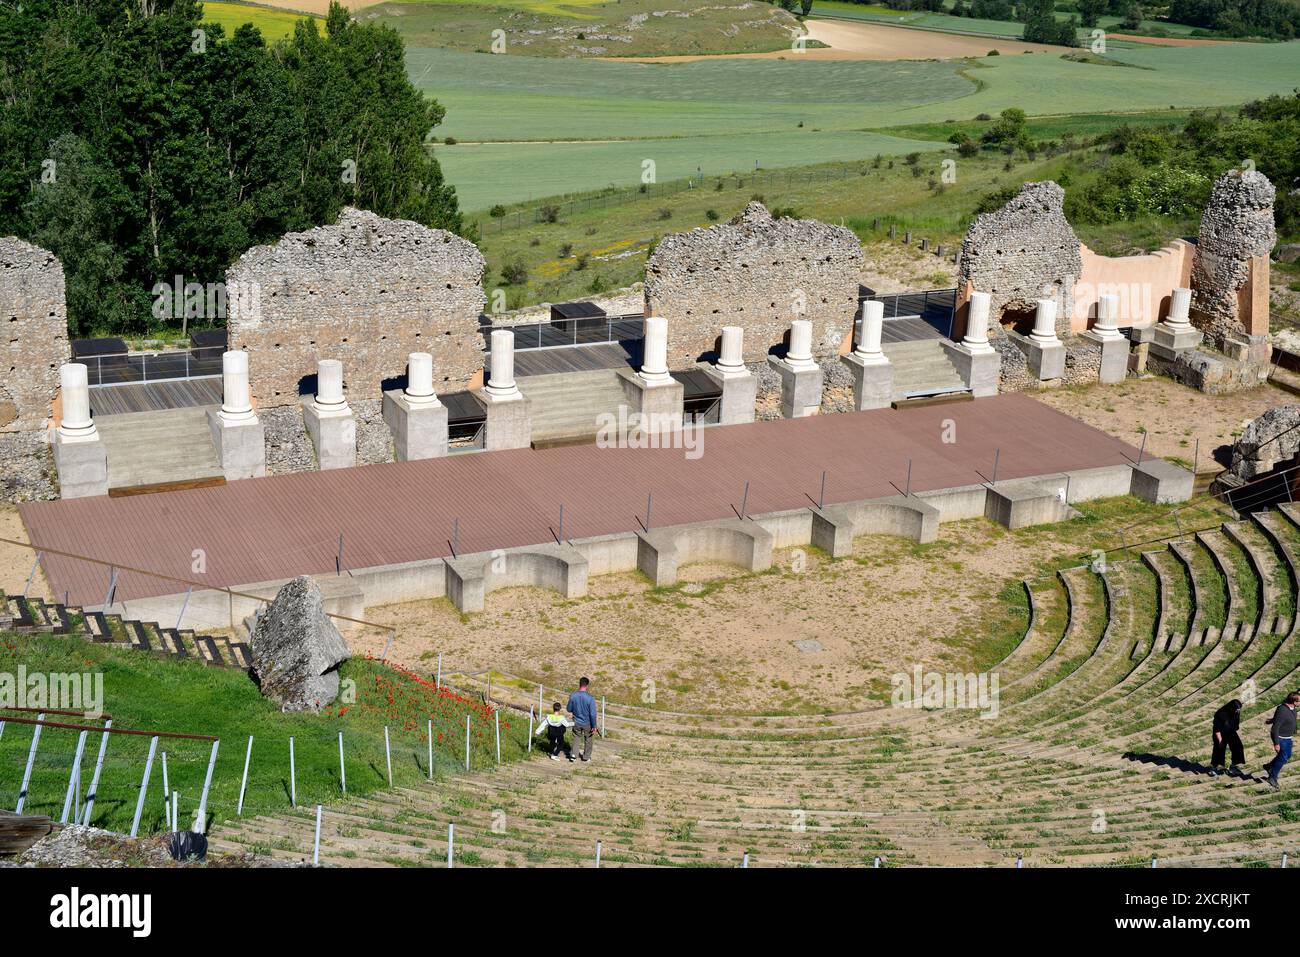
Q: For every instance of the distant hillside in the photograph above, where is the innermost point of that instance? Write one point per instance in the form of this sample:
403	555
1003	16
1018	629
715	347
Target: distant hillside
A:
583	28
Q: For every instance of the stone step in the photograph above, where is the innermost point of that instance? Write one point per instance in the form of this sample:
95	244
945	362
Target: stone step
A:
572	403
156	448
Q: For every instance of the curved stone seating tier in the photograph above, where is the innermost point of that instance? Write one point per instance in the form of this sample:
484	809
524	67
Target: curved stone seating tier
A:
1217	549
1264	567
1184	552
561	568
1266	522
661	551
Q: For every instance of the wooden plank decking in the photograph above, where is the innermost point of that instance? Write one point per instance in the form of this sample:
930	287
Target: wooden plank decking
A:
279	526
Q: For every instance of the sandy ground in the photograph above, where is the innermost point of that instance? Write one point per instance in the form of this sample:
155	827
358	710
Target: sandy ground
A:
874	41
1173	416
726	640
16	562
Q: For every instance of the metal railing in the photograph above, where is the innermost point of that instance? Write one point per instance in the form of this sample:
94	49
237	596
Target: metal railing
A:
122	368
564	333
936	307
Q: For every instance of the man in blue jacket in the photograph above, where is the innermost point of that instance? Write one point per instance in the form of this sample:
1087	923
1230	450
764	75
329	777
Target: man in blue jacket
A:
583	708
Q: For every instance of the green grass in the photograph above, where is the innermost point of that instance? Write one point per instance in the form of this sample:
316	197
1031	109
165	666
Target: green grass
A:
727	115
618	28
273	24
148	692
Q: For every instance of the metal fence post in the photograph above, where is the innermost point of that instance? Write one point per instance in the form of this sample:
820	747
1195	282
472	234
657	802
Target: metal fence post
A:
744	860
31	759
207	785
451	839
293	779
343	771
437	681
388	758
598	853
530	729
73	777
466	742
99	766
248	756
497	715
315	847
167	788
144	786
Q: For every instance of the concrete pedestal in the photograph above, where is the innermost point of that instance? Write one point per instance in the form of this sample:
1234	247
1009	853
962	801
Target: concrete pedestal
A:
1046	360
419	431
1156	480
1114	357
873	382
1018	503
1167	341
333	435
241	446
739	393
801	389
82	467
658	405
980	370
509	422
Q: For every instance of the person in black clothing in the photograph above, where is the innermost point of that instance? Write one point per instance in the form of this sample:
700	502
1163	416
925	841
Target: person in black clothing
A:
1226	721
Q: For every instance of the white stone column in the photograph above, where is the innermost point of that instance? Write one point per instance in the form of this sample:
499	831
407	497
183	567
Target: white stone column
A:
976	339
731	357
654	359
501	378
1107	315
870	327
419	377
1180	307
74	397
236	401
799	355
329	388
1045	323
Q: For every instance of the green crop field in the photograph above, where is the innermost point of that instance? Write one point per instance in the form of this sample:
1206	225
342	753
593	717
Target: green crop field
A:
998	28
274	24
590	28
727	115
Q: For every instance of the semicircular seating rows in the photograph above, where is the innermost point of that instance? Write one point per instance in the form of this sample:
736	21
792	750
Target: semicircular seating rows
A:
1097	754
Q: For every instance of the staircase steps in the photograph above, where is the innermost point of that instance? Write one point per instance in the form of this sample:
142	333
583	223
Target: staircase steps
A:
568	407
922	368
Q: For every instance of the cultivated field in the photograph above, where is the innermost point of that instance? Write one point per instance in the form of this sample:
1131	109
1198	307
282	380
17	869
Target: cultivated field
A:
710	114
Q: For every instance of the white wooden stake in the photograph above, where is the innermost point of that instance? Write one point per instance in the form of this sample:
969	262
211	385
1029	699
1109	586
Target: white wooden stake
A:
144	786
315	847
430	749
248	756
293	778
451	836
343	771
497	715
388	757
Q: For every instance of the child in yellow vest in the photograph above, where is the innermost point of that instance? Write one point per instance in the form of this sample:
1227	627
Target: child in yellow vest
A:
555	724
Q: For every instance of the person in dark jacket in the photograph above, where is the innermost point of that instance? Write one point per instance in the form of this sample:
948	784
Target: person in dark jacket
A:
1226	722
583	708
1281	729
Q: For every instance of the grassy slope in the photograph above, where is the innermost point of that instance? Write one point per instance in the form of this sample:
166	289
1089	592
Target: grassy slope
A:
708	114
591	27
613	234
143	691
999	28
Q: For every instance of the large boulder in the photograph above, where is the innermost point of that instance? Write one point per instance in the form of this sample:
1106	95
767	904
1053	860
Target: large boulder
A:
1266	442
297	650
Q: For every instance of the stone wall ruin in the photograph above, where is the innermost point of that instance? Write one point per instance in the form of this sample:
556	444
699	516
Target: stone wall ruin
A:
35	318
368	291
756	272
1023	252
1230	272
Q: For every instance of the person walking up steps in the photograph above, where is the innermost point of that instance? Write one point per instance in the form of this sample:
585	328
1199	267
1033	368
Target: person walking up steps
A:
1282	728
1226	722
555	725
583	708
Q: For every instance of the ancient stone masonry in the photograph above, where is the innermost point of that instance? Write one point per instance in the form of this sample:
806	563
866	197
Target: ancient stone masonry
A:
1229	273
758	273
1267	442
35	337
367	291
1021	253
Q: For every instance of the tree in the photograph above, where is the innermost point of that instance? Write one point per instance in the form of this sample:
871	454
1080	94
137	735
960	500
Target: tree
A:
177	147
1091	11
